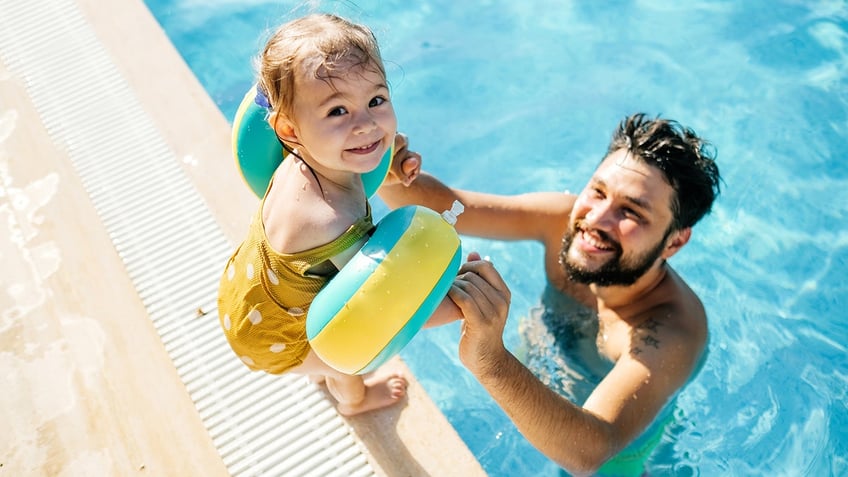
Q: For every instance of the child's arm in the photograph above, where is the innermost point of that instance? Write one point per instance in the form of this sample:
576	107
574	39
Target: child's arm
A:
447	312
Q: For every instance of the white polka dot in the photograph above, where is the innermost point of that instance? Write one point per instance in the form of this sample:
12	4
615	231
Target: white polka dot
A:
254	316
295	311
277	347
231	272
227	323
250	271
272	276
246	360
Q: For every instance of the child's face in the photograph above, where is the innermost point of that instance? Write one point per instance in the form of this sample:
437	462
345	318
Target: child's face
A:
346	123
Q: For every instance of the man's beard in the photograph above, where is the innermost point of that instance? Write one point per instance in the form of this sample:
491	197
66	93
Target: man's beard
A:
615	271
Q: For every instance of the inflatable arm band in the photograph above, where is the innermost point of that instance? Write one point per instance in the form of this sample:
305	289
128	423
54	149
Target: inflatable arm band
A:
374	306
258	152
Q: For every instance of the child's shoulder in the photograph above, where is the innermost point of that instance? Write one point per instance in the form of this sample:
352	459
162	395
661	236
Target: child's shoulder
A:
297	218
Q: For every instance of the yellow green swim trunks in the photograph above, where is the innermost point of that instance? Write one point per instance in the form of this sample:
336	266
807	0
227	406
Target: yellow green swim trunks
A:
264	296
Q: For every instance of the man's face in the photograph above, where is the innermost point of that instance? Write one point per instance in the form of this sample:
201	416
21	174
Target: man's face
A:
620	223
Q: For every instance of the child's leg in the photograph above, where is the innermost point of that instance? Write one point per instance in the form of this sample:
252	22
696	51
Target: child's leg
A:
354	394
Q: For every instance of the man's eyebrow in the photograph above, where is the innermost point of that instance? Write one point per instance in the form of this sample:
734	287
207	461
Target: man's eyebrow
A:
642	204
637	201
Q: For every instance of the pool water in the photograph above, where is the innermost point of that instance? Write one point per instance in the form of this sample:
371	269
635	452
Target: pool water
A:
508	97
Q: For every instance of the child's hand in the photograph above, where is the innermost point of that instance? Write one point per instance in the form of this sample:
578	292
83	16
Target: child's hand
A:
406	164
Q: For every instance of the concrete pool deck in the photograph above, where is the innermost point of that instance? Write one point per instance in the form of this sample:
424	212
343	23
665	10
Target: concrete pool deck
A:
95	372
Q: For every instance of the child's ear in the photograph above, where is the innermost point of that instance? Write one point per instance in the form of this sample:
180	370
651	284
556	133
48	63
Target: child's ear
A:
284	128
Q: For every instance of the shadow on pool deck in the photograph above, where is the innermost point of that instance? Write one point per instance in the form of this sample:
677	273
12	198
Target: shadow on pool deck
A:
97	384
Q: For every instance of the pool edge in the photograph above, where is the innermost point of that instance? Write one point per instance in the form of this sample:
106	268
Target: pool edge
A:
414	439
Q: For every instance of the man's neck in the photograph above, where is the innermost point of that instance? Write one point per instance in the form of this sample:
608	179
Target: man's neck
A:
619	298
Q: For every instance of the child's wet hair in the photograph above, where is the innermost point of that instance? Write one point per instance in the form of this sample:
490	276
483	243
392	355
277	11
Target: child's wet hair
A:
318	44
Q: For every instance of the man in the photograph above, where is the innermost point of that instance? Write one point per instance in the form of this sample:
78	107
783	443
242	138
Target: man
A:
607	248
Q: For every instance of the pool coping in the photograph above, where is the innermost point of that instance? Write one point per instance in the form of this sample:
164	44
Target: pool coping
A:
411	439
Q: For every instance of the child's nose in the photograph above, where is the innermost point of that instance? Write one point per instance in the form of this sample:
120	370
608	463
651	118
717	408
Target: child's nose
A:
365	123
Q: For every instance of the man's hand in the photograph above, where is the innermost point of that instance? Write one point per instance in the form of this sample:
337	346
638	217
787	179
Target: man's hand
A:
406	164
484	299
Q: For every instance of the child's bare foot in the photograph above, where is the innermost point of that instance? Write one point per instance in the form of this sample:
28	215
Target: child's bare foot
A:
382	389
317	378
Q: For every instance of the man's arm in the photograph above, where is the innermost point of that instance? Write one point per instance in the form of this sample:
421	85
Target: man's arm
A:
578	439
661	357
503	217
539	216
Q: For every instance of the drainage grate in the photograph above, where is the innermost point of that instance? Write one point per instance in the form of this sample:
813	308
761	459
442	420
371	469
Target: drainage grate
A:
170	244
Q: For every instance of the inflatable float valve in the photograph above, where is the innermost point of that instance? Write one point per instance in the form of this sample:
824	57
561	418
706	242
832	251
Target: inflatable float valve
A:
451	215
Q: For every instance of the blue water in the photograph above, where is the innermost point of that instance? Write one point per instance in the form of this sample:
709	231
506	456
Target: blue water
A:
507	97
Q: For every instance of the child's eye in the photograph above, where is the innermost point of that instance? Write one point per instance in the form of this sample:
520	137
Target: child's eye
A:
337	111
376	101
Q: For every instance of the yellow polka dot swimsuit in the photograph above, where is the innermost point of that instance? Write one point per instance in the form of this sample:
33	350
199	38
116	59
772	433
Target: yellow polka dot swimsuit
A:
264	296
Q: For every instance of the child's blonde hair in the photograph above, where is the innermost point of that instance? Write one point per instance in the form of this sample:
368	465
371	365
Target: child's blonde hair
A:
316	44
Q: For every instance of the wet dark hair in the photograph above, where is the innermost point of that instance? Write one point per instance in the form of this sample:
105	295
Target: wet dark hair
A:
686	161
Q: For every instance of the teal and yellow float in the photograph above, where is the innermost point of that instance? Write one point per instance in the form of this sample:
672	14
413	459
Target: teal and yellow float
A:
258	152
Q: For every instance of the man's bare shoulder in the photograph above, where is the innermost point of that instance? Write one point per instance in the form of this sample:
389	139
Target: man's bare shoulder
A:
672	333
669	327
